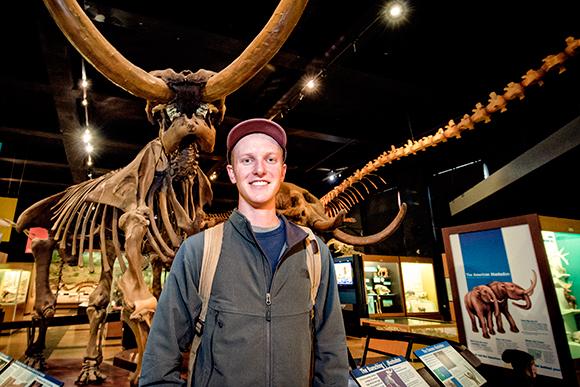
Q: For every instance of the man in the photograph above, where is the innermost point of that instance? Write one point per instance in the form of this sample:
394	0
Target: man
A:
259	329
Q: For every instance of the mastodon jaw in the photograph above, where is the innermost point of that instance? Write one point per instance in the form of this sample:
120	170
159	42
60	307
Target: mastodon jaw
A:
85	37
371	239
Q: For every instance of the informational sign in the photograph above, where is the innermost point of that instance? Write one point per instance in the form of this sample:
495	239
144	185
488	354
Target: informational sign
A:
7	211
502	299
15	373
449	366
395	372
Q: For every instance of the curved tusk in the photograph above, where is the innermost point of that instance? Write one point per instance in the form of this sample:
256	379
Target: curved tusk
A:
257	54
371	239
331	224
91	44
530	290
88	41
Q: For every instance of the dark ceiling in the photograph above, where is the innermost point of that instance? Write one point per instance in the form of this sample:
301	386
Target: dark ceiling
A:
380	84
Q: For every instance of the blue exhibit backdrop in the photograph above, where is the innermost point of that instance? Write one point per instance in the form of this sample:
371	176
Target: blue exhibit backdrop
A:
502	299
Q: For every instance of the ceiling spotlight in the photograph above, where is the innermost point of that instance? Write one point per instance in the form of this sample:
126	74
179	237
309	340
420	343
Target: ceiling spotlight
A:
85	102
86	137
89	148
84	83
311	84
396	10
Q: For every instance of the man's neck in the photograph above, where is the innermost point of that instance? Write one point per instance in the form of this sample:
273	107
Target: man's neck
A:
260	217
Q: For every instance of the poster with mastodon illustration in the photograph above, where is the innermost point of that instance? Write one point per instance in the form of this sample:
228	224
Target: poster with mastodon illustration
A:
500	291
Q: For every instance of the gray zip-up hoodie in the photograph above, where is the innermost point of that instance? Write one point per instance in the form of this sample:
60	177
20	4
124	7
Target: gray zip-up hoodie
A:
258	329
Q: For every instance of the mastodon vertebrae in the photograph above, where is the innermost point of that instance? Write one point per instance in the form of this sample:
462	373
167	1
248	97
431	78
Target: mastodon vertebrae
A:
481	113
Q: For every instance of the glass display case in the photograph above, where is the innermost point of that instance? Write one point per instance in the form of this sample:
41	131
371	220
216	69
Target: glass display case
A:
443	329
419	286
383	285
15	280
400	286
562	243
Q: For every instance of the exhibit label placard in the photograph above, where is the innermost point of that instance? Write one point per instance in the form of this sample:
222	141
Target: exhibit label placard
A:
502	299
449	366
392	372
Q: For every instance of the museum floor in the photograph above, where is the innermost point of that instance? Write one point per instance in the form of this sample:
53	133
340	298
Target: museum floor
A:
65	348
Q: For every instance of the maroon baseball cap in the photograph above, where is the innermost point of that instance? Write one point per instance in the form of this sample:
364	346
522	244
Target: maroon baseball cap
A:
256	125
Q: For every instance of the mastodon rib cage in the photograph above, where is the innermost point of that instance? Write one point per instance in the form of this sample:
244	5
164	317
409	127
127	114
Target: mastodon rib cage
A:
79	221
171	218
75	219
348	198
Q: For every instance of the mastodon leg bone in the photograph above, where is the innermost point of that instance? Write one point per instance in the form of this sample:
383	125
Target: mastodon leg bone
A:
90	372
140	323
35	352
45	301
136	295
97	313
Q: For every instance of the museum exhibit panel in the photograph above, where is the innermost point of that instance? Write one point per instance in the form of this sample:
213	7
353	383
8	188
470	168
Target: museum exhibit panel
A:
521	266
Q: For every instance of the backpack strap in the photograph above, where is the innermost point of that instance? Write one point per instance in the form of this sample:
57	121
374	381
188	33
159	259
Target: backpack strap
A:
212	245
314	263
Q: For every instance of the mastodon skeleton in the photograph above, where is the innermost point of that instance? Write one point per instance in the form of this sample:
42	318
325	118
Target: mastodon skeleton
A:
124	204
152	204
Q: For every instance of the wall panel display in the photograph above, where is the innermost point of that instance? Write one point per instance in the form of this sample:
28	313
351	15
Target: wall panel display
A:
504	293
562	242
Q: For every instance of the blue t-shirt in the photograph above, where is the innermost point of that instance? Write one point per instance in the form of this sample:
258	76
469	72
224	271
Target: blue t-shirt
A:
272	242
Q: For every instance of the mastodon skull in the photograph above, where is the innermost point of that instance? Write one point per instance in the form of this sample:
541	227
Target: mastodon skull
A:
303	208
186	115
299	205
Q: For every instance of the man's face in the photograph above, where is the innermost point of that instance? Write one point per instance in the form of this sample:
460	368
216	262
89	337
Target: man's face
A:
257	168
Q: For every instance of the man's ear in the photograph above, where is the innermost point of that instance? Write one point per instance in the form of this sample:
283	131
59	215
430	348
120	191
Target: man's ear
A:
231	173
283	172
